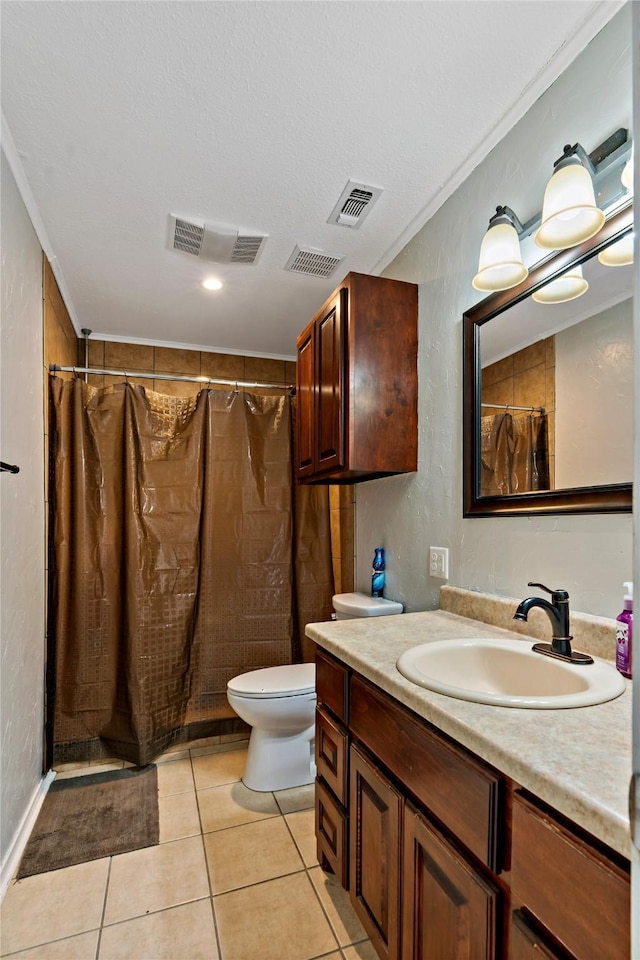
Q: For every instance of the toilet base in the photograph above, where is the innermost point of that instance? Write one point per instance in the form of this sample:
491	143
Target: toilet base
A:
277	761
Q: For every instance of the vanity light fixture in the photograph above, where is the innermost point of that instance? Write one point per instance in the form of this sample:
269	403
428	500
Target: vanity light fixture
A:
212	283
500	266
627	174
569	286
569	211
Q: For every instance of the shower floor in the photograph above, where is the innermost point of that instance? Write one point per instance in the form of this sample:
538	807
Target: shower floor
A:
234	877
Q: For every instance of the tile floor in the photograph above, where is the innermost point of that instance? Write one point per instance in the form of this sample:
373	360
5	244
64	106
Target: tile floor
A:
234	877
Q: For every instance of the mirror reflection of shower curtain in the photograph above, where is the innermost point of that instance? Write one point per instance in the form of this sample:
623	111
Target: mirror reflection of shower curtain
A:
514	454
176	558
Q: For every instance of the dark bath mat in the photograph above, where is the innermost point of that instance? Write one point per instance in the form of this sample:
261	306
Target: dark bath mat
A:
85	818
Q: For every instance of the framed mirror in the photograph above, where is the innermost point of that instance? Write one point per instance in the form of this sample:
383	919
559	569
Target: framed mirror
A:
548	388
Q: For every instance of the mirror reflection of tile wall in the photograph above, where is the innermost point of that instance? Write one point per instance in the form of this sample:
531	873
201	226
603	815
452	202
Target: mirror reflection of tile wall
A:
526	379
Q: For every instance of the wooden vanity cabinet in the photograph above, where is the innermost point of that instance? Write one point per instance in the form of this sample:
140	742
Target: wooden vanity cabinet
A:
443	856
449	909
576	892
332	763
356	383
375	833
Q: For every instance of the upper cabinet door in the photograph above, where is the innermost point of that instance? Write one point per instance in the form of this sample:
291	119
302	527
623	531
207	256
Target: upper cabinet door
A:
305	418
330	385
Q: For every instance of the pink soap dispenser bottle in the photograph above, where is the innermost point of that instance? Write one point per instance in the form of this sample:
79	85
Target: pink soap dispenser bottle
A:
624	632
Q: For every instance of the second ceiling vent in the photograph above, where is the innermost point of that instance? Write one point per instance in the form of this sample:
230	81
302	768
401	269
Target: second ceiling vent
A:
215	242
354	204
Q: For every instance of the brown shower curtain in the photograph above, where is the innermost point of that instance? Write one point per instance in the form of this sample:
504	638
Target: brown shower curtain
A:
515	454
182	555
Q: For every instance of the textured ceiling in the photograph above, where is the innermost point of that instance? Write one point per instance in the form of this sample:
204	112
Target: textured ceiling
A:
255	114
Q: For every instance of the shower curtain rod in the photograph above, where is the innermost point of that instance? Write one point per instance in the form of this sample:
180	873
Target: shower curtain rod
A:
55	368
511	406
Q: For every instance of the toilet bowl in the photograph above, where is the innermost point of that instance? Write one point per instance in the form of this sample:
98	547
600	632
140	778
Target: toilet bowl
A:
279	704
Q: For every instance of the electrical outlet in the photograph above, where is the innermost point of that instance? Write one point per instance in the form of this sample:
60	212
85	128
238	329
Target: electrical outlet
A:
439	562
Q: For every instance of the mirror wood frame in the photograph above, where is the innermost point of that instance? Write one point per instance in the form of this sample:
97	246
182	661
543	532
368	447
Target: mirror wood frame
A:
610	498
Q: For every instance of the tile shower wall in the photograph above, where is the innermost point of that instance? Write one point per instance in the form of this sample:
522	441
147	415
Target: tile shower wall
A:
527	379
137	357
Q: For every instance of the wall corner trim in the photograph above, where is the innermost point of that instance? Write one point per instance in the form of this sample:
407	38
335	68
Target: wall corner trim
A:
14	854
17	169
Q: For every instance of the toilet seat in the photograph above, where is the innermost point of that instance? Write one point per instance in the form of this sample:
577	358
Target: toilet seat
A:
289	680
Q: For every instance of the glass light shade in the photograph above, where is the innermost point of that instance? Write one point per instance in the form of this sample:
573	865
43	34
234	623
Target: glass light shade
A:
618	254
500	266
627	174
569	211
567	287
212	283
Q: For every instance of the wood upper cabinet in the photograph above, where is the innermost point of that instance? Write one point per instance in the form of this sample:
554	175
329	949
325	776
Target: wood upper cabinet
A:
357	383
448	909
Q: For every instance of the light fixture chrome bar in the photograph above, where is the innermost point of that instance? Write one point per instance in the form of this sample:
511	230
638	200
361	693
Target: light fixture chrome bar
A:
511	406
603	163
138	374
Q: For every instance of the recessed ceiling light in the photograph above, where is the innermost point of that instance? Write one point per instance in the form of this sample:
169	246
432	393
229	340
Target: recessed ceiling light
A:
212	284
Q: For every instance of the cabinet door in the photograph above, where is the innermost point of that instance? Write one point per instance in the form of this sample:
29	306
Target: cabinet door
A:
374	853
448	909
528	944
305	425
330	399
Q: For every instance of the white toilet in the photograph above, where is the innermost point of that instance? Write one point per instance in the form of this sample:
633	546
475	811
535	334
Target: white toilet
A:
279	705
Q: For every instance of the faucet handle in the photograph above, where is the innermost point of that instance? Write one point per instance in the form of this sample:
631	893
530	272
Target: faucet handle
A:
556	595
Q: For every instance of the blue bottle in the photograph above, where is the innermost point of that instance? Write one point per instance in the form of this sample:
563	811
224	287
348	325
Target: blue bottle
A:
377	577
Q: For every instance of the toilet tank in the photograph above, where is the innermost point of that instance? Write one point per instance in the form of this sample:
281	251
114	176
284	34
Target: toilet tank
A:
350	606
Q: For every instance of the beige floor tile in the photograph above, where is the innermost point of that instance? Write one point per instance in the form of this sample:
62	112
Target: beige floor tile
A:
361	951
203	742
277	920
175	777
250	854
52	906
185	932
337	905
174	753
303	827
296	798
214	769
178	816
82	947
233	804
218	748
156	878
231	737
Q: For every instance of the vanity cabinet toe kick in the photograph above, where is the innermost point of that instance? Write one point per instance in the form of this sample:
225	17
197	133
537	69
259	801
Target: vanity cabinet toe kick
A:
445	857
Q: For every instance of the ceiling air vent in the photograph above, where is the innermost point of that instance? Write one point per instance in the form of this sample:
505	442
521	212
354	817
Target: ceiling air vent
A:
354	204
315	263
215	242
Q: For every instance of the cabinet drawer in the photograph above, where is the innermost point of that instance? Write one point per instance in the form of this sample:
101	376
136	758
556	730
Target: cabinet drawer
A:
464	794
331	835
550	863
332	685
332	744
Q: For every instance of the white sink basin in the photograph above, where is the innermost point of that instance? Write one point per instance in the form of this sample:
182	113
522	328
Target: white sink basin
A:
508	673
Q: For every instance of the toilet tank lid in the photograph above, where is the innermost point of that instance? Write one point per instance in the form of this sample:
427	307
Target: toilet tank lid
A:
360	605
284	681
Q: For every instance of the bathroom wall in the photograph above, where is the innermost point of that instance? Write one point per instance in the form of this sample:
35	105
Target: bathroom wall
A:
22	558
594	398
590	556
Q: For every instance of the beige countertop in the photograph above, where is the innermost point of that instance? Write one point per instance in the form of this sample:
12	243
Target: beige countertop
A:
576	760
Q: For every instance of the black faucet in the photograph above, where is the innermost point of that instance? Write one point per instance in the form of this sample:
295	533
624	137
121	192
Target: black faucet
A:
558	613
